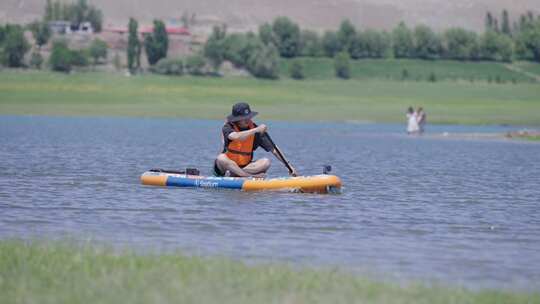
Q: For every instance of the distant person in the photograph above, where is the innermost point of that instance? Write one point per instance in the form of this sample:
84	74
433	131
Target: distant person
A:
412	121
241	137
421	118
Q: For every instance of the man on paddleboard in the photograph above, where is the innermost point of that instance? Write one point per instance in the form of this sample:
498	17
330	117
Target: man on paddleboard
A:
241	137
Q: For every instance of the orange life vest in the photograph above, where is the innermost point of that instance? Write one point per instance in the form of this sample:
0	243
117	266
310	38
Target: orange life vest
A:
241	151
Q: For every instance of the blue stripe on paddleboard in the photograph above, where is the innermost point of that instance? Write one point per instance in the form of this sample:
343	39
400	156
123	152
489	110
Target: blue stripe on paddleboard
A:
205	182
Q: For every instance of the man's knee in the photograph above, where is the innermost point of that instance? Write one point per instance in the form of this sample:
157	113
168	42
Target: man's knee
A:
265	162
222	158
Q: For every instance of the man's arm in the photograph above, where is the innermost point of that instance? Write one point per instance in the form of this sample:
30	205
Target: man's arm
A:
245	134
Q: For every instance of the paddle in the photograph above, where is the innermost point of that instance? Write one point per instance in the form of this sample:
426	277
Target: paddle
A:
287	164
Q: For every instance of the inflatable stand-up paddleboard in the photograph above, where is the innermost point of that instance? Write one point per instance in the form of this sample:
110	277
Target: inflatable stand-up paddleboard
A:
323	183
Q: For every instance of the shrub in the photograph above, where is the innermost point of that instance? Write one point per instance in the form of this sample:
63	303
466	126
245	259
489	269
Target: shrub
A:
296	69
60	59
195	65
432	77
404	74
79	58
98	50
169	66
342	65
264	62
36	60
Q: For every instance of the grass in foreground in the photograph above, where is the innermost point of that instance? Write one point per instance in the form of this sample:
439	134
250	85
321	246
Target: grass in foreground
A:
99	94
61	273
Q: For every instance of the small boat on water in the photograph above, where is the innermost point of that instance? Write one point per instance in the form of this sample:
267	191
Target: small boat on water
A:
323	183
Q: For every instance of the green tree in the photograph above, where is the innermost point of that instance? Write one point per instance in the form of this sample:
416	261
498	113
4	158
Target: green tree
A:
427	43
213	49
287	34
60	59
358	47
98	50
342	65
505	27
15	46
49	11
331	44
264	62
239	47
311	44
57	11
346	34
233	45
495	46
529	38
266	34
134	46
489	22
296	69
79	11
403	41
377	43
156	44
95	17
41	32
460	44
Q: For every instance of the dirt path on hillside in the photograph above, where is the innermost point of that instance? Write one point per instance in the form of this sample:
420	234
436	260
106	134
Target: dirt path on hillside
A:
521	71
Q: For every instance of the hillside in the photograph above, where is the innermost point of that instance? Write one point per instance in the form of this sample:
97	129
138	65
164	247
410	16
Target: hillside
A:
316	14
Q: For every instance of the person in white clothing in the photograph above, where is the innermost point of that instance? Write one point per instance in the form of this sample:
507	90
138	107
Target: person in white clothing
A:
412	122
421	118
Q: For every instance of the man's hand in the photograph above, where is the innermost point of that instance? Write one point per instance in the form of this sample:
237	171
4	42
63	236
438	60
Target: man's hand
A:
262	128
293	172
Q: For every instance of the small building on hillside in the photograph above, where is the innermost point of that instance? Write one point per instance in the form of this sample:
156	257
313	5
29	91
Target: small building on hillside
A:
60	26
66	27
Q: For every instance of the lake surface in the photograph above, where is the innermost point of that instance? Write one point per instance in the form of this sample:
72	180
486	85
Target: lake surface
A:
456	211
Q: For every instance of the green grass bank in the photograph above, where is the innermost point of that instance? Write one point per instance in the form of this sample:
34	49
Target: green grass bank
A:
417	70
65	273
362	99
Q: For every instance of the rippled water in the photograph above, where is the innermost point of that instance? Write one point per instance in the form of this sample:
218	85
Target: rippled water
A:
457	211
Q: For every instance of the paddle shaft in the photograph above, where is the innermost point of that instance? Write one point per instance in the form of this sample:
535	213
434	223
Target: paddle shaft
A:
279	153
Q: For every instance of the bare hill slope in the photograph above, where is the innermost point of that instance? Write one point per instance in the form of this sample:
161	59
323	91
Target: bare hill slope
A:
315	14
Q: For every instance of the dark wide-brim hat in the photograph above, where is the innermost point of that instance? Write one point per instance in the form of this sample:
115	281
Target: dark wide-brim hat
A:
241	111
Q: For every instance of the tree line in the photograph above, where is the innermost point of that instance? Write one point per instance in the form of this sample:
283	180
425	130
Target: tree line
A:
259	52
498	43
